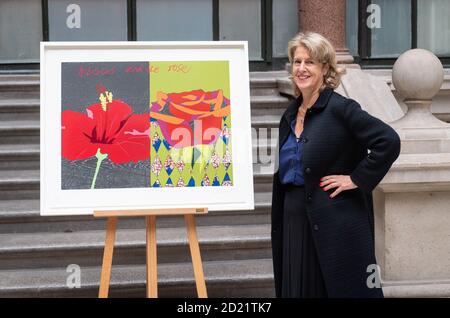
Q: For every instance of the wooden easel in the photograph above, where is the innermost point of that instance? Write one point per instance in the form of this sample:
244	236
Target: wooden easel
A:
152	273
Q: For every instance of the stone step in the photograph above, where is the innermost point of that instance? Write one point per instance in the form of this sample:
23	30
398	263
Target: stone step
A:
19	184
19	109
19	132
267	74
22	216
265	122
85	248
264	106
18	209
19	87
269	102
19	179
234	278
19	82
262	178
265	83
19	127
19	156
263	86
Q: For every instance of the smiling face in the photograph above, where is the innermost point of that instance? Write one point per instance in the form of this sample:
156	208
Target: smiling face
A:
307	73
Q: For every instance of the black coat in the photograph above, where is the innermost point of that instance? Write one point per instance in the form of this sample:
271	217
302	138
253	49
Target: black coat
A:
338	135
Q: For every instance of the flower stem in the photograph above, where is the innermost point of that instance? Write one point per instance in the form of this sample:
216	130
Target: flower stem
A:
100	157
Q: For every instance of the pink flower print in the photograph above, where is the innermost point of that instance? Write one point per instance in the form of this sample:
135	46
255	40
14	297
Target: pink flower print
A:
180	182
226	159
180	165
205	181
215	160
156	166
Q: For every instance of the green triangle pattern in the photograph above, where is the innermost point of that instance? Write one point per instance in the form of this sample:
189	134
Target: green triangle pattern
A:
209	160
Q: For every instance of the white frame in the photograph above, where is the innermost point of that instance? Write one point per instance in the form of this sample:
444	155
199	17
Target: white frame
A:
55	201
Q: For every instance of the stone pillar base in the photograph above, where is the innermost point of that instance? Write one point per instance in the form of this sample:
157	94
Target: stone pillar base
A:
412	226
344	57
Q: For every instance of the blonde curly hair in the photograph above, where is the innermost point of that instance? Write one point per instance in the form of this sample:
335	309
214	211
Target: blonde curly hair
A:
321	50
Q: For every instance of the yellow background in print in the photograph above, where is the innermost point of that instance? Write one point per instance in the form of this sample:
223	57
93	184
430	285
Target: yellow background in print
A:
182	76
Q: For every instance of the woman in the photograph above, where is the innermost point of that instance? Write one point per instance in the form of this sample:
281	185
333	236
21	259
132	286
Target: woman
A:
322	216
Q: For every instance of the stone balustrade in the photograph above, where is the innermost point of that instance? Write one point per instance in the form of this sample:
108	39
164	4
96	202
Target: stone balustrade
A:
412	203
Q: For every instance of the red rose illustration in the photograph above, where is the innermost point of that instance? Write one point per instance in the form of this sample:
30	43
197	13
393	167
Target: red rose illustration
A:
190	118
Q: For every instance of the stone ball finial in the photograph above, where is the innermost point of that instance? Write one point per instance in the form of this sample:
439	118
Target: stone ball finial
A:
418	74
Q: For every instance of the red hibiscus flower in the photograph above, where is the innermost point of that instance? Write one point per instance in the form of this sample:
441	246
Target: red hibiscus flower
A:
190	118
109	127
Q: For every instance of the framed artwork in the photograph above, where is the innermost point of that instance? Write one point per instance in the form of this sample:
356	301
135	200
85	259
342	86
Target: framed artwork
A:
139	125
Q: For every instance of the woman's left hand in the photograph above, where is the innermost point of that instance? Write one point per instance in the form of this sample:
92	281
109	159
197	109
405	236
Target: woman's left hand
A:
341	182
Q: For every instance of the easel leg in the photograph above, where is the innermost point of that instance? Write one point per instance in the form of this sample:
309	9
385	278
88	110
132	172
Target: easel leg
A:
152	271
195	255
107	257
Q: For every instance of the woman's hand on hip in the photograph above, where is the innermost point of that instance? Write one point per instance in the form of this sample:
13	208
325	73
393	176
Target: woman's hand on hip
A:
341	182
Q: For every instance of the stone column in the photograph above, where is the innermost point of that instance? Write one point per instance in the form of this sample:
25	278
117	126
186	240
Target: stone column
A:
412	203
326	17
